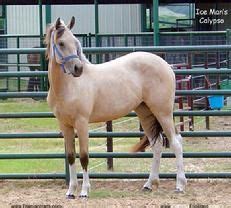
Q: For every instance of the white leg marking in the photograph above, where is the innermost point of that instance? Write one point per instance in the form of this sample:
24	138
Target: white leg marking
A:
73	180
177	149
86	185
154	173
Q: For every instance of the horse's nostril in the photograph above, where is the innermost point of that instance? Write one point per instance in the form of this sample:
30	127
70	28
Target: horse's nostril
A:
76	68
77	71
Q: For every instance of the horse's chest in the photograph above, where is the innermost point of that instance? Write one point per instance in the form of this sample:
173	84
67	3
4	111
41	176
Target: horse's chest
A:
62	112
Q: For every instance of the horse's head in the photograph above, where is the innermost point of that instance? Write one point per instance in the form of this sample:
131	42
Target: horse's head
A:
64	48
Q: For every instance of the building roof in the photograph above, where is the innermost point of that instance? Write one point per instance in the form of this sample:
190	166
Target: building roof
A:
35	2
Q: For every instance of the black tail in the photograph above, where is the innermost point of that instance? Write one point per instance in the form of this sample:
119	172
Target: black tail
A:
144	142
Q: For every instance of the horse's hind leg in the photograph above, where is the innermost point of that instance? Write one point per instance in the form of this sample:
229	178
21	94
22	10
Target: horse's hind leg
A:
153	178
148	121
69	138
165	119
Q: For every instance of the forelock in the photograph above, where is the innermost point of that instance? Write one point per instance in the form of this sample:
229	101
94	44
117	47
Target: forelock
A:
60	31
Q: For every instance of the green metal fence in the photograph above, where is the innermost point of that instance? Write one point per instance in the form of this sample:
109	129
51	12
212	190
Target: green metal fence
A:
19	62
131	135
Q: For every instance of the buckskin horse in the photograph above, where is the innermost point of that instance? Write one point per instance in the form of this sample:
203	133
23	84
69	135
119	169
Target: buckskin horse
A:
81	93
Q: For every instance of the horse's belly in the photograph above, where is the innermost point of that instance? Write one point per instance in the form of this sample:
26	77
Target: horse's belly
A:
116	98
109	109
107	116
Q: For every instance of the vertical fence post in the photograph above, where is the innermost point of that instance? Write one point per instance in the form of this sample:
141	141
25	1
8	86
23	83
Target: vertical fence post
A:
181	104
190	103
44	64
42	60
206	87
218	66
97	28
109	145
190	87
18	67
228	42
126	40
89	37
156	21
141	129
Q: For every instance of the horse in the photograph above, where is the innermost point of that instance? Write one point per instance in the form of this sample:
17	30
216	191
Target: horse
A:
81	93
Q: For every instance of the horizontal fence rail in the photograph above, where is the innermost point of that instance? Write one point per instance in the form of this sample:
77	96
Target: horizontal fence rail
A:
197	71
98	50
132	114
178	92
45	135
117	155
112	175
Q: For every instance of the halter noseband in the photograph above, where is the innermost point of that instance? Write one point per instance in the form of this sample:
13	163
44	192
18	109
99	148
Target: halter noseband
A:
56	50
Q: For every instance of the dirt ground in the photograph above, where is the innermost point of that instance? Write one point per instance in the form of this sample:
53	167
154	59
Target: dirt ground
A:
115	193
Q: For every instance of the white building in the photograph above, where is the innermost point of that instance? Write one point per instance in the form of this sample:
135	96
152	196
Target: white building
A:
112	18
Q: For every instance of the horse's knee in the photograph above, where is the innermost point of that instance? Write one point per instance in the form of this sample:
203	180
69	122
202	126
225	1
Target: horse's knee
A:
71	158
84	159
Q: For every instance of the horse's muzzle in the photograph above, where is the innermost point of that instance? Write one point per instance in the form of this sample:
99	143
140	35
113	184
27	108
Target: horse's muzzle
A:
77	71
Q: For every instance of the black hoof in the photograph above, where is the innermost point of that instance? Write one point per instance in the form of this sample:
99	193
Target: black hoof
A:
71	196
83	196
179	191
146	189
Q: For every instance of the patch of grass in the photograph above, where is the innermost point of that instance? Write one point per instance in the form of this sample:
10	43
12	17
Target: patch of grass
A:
21	105
13	84
32	146
28	125
211	165
32	166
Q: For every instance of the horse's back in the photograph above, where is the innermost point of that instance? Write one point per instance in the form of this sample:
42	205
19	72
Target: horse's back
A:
146	66
138	61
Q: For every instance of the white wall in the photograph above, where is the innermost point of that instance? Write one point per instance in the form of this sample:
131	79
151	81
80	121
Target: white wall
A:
84	16
119	18
23	19
112	18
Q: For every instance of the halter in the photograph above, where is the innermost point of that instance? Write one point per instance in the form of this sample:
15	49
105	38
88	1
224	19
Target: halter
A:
56	50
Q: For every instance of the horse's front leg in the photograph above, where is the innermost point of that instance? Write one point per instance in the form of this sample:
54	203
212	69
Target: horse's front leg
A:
82	131
69	137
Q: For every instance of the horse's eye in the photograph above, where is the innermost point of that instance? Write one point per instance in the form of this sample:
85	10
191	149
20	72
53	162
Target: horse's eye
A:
61	44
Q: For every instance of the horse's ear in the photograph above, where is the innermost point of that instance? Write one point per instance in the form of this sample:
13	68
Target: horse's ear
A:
72	23
57	23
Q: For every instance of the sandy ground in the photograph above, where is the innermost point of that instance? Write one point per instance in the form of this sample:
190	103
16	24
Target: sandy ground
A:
114	193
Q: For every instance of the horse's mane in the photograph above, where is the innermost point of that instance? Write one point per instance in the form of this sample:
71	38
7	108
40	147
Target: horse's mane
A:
50	29
47	39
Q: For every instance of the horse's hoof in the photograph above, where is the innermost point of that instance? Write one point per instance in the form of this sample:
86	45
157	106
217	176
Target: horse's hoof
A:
156	183
147	189
70	196
179	191
83	196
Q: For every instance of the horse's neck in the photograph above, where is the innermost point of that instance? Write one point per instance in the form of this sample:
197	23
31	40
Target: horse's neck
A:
57	79
84	59
82	55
